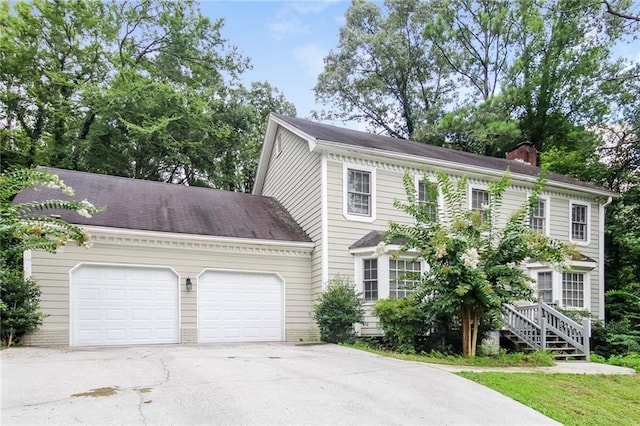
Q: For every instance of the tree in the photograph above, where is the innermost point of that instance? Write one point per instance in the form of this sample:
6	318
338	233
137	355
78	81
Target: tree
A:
25	227
384	73
474	266
145	89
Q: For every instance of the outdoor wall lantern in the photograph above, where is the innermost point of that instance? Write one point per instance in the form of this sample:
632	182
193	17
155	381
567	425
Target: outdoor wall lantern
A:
189	284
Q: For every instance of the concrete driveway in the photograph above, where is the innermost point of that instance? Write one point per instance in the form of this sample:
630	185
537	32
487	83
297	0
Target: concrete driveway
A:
241	384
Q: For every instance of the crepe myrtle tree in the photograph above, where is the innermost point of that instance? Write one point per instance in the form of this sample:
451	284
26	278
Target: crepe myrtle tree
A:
474	266
24	226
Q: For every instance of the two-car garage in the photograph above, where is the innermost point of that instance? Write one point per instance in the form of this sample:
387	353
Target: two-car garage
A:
128	305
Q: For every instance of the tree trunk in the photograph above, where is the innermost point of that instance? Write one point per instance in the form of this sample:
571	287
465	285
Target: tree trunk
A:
465	316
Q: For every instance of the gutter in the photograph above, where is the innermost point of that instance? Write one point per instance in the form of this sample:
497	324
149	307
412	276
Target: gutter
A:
601	288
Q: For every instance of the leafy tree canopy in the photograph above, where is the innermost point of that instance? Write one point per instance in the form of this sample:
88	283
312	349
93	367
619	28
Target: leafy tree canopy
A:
146	89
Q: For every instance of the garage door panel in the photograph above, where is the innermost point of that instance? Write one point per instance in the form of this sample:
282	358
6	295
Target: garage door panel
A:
240	307
117	306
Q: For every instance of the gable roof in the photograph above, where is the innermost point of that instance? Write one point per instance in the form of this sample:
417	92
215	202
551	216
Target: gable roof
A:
163	207
379	143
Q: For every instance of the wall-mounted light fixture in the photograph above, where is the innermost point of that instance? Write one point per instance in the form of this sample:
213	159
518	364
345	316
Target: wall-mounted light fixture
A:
188	284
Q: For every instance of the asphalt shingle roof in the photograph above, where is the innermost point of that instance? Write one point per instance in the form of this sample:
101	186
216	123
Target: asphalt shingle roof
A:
155	206
329	133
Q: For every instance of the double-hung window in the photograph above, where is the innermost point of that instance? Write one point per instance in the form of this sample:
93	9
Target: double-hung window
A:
579	222
359	193
403	277
370	279
545	286
429	200
538	218
480	202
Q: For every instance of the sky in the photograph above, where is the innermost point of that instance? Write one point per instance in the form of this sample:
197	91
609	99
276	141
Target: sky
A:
287	41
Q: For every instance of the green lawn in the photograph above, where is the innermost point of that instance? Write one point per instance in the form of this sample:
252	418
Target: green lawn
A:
569	398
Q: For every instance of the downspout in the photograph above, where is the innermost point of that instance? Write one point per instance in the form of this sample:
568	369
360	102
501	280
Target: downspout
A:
601	260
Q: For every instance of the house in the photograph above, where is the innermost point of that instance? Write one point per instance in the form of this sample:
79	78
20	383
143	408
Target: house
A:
327	192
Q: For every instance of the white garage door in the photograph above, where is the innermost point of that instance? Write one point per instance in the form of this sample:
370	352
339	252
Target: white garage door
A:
240	307
118	305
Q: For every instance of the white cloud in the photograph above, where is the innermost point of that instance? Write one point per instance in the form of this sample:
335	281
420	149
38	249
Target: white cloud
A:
292	18
311	56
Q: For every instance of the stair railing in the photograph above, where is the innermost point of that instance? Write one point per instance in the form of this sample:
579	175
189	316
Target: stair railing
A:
570	331
523	327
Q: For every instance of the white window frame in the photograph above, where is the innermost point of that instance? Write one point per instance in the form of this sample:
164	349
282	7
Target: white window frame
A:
585	288
345	192
587	239
479	187
439	201
557	284
383	272
547	213
535	274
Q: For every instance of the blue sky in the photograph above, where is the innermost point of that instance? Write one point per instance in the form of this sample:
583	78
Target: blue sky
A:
287	41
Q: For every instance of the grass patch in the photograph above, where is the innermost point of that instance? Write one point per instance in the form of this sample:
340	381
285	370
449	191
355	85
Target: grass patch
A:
535	359
569	398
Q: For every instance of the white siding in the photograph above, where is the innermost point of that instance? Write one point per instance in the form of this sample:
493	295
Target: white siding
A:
294	179
188	258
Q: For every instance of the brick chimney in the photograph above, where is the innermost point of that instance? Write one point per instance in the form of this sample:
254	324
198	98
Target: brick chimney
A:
524	152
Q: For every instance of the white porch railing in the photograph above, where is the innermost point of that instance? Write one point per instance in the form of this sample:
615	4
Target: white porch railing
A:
533	324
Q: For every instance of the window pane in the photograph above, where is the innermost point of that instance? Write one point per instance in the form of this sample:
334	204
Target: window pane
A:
430	204
573	289
479	201
579	222
359	192
537	220
403	277
545	287
370	284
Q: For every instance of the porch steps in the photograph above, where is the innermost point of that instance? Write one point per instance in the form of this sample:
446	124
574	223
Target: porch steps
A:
541	327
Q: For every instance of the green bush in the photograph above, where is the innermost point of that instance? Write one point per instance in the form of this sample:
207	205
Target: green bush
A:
402	320
614	338
338	308
19	304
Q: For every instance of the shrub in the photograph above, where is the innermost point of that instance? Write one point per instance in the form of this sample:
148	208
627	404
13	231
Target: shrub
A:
614	338
402	320
338	308
19	304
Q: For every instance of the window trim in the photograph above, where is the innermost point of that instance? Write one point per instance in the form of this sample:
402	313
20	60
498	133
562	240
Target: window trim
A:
440	200
586	289
547	214
345	193
384	280
587	240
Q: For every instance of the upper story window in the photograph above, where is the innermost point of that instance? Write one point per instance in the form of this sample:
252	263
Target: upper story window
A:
403	277
538	219
479	200
359	193
428	200
370	279
579	223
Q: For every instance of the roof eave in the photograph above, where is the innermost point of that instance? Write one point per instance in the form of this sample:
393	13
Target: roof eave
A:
474	171
267	148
